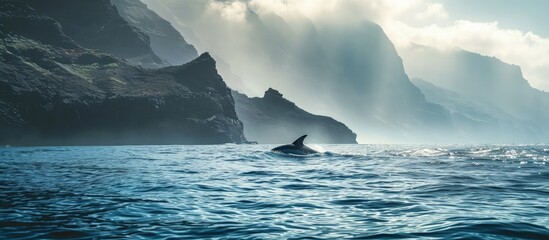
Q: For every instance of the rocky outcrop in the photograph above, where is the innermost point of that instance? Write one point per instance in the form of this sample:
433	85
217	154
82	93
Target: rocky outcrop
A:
55	92
18	18
96	24
274	119
165	41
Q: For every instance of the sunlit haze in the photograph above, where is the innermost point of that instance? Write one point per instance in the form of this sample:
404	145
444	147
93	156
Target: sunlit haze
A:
424	22
335	49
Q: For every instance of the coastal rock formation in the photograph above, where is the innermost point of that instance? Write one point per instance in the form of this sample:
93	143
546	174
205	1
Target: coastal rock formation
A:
96	24
165	40
53	91
274	119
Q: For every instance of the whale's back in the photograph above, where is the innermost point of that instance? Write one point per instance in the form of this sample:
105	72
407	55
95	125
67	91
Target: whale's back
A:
297	147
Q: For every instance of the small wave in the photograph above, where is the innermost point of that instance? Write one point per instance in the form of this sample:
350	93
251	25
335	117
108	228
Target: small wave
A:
317	147
66	234
40	150
346	156
167	152
484	151
492	229
425	152
259	173
371	204
158	188
484	230
204	187
330	154
185	171
253	156
247	204
295	186
514	154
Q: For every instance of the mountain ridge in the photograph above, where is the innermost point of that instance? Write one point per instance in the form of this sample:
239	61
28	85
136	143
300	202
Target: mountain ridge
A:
499	87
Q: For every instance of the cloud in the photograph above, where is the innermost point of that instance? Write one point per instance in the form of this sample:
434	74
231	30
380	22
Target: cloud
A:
230	10
435	10
325	10
527	50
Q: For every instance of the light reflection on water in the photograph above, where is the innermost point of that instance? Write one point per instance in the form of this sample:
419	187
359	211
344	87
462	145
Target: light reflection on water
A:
236	191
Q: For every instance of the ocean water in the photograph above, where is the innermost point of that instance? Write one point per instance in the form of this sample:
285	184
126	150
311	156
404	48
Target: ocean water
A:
247	192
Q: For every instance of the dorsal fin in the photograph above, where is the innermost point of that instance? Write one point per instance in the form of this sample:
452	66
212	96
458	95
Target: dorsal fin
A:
299	141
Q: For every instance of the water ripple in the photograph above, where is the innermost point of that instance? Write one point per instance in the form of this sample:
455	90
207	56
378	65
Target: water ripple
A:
247	192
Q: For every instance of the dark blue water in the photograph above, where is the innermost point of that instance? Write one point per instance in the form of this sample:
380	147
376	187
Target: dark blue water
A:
246	192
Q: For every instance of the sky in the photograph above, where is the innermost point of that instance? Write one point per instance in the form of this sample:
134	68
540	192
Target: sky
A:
513	31
528	15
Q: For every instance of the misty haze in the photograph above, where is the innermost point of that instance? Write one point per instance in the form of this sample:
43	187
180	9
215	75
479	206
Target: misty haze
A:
334	60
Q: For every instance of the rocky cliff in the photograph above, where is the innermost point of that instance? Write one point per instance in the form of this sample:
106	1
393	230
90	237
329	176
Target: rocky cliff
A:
165	40
96	24
53	91
274	119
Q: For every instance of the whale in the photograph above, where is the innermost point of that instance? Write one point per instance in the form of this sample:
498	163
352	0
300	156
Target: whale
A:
296	148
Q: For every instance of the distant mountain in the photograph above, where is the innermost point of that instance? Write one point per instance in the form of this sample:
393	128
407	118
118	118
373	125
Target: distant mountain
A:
96	24
165	40
54	91
348	71
274	119
498	87
478	122
233	81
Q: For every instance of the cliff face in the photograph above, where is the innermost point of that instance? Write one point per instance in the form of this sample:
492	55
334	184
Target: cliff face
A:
480	78
358	76
165	41
55	92
273	119
19	19
499	88
480	122
96	24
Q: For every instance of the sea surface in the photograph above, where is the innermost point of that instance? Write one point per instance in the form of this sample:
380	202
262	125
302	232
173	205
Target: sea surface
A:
248	192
